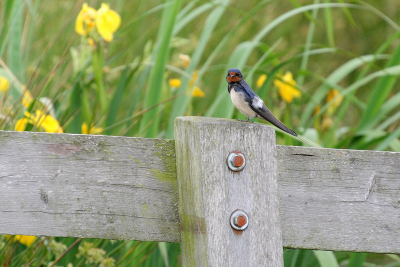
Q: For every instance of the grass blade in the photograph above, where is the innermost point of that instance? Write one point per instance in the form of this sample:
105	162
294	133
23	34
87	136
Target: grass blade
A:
14	53
380	93
331	82
4	24
357	259
385	143
222	107
307	45
326	258
330	31
180	104
153	94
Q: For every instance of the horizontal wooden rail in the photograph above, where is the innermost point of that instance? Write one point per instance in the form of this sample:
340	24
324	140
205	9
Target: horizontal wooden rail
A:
125	188
88	186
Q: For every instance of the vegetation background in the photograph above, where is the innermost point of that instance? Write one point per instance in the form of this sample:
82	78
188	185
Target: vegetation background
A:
328	69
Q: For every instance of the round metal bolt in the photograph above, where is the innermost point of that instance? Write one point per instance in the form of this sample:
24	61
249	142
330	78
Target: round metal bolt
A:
236	161
239	220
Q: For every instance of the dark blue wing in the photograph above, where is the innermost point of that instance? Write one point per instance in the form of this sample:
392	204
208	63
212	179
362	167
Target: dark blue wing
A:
246	91
263	112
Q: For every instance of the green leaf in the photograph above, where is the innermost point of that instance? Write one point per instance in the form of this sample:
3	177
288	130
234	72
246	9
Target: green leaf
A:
380	92
4	26
221	106
307	45
74	109
357	259
98	64
385	143
180	105
117	98
332	81
164	253
153	93
14	53
326	258
330	31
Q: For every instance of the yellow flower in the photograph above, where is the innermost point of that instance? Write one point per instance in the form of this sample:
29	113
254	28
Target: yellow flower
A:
27	240
334	98
107	22
93	129
21	124
185	59
85	21
197	92
286	86
27	98
261	80
4	84
50	124
174	82
39	118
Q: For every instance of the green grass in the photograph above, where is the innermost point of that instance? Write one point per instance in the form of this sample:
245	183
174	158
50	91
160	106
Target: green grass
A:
122	86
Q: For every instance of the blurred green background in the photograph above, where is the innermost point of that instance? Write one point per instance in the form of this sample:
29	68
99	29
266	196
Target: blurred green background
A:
344	57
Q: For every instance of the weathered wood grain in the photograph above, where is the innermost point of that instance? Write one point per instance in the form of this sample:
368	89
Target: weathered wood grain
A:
333	199
88	186
125	188
210	192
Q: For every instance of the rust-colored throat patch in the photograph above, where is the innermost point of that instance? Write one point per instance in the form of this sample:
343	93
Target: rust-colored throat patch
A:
233	79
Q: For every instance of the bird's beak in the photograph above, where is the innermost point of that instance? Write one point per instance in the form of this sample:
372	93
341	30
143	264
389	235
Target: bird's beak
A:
231	76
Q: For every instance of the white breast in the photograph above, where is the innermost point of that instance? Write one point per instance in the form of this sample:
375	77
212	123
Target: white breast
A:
241	105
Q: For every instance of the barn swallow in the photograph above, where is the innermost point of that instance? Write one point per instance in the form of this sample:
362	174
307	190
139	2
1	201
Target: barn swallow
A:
249	103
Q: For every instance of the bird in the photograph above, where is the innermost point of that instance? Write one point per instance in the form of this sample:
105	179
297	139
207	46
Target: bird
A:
249	103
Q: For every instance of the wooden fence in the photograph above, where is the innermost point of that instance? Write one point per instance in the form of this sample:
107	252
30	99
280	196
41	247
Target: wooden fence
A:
182	190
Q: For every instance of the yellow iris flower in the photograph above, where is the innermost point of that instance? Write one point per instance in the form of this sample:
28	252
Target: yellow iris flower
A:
261	80
27	240
27	98
287	87
197	92
85	21
93	129
174	82
42	120
107	21
4	84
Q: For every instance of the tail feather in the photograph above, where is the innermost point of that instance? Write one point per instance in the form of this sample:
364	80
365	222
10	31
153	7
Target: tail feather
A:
268	116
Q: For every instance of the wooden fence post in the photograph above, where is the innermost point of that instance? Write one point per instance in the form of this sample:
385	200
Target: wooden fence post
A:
209	192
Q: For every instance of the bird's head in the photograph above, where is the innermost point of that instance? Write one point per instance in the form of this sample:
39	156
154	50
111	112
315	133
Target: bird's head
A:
234	75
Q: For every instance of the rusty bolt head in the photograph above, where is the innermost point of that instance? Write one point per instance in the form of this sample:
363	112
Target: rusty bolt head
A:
239	220
236	161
